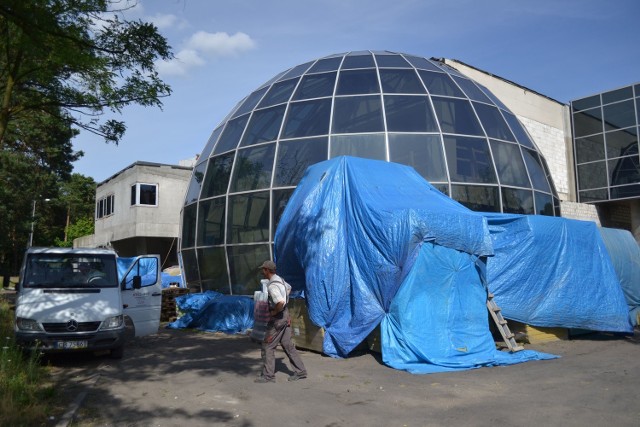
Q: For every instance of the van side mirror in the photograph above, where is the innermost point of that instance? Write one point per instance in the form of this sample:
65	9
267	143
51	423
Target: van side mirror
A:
137	282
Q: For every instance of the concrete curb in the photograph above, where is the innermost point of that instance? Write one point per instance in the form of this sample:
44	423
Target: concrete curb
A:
68	416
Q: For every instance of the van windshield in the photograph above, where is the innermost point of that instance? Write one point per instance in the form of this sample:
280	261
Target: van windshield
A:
70	271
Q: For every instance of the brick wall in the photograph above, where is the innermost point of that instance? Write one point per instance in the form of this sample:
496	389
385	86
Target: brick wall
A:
581	211
616	215
550	142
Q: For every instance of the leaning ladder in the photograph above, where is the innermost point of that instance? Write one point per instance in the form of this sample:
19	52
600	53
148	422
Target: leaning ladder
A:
501	322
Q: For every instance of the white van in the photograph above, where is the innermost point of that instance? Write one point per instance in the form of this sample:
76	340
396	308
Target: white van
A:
72	300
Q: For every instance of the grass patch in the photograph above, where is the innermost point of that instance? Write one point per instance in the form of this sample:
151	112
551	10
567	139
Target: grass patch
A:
26	392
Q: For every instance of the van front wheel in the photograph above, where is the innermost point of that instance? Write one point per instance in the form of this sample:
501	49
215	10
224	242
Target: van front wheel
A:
117	353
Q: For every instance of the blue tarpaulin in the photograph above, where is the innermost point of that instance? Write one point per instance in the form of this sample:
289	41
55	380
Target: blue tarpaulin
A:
214	312
554	272
438	319
355	233
625	256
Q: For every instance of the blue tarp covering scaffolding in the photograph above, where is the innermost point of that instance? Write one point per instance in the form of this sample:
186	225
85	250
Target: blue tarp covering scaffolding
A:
549	271
373	243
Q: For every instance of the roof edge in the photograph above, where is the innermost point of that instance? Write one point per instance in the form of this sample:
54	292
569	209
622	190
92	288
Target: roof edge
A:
511	82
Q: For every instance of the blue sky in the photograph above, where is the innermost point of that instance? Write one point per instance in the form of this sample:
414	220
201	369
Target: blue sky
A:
564	49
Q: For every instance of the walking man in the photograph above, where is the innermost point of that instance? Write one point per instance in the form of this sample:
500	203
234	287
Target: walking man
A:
278	329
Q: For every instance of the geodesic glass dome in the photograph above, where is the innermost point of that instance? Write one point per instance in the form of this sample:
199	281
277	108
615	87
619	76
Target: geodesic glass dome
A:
379	105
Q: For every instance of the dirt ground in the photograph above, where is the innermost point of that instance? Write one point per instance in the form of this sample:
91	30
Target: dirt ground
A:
190	378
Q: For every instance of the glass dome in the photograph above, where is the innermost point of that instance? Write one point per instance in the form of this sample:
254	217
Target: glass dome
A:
379	105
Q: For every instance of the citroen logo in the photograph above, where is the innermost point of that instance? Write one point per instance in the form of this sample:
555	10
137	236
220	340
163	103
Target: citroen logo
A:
72	325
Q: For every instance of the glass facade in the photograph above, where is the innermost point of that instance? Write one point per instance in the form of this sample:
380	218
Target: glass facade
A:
605	140
378	105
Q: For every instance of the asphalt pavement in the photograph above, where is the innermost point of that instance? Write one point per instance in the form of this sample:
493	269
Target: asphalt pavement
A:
192	378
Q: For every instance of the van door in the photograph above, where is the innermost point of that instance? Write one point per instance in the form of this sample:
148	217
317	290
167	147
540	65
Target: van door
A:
142	294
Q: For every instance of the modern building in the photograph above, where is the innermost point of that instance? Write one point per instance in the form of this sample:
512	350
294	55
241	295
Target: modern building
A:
605	130
138	211
487	142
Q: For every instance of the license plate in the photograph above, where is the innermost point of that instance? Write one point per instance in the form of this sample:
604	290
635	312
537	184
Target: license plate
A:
71	345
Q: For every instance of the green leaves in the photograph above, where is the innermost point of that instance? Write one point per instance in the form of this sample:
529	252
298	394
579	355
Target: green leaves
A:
80	57
63	65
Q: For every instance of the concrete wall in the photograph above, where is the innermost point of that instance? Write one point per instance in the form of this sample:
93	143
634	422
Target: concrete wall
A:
142	221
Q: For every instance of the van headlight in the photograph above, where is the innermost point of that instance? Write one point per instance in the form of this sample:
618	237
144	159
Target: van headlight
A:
27	324
114	322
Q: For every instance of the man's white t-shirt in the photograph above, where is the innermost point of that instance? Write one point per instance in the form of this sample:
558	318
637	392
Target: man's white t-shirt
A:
277	290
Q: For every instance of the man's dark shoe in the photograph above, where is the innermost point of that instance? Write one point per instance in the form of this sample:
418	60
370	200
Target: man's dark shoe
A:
262	380
296	377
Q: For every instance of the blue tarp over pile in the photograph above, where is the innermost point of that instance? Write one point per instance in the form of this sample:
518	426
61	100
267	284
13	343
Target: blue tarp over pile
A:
550	272
357	232
214	312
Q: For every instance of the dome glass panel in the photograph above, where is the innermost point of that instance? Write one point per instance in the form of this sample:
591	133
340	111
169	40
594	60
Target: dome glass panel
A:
251	101
189	217
279	93
366	146
316	86
253	168
409	114
392	61
295	156
194	185
357	114
518	130
329	64
231	135
400	81
456	116
211	222
469	159
358	61
216	180
440	84
516	200
308	119
471	89
204	156
264	126
377	105
214	266
358	82
476	197
422	63
509	163
424	152
493	122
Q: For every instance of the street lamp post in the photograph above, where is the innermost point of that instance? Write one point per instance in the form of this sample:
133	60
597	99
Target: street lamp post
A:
33	221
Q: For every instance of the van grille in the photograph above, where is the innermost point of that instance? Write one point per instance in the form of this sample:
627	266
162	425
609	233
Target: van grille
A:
62	328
